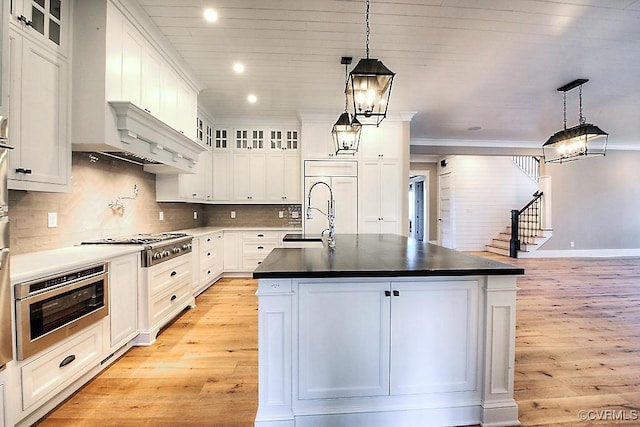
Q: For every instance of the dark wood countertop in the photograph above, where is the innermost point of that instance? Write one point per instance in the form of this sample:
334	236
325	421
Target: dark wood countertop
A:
377	255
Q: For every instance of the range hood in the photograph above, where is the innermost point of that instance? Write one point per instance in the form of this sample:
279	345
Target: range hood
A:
142	138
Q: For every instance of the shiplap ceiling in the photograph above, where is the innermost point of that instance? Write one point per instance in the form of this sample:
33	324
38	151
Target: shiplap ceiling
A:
493	64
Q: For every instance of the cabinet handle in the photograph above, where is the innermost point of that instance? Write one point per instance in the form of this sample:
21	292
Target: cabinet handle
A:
208	239
173	297
25	21
396	293
260	235
67	360
260	247
208	271
208	253
387	293
23	170
173	273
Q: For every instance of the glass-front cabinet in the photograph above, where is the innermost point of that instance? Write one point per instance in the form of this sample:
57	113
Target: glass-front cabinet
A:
46	20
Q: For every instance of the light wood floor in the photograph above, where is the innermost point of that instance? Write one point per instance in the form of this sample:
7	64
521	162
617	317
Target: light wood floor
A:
577	349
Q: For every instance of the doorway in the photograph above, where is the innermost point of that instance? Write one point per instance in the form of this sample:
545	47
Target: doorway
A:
418	224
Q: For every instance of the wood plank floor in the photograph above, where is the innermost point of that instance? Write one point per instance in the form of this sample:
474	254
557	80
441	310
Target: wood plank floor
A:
577	349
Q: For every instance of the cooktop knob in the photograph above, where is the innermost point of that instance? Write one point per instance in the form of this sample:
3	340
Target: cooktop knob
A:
176	250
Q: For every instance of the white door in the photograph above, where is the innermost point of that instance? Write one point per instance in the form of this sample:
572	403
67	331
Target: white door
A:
370	197
221	178
345	192
445	225
389	193
343	350
275	177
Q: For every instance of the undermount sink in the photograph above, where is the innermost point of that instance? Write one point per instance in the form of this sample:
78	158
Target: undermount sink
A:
297	240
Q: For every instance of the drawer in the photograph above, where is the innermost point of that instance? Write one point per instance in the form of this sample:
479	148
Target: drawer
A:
210	273
209	240
165	275
166	302
62	365
257	236
251	262
253	248
209	257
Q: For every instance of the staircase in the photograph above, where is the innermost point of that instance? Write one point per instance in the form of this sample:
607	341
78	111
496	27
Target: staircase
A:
500	244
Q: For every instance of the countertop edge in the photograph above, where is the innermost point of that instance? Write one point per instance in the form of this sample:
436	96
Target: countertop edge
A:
386	273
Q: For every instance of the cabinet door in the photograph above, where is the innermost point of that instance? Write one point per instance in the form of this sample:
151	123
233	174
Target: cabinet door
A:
370	197
221	176
123	298
151	83
197	186
232	251
343	331
292	178
345	192
258	173
390	188
241	174
187	105
131	65
169	97
42	146
433	337
275	177
381	143
316	141
2	410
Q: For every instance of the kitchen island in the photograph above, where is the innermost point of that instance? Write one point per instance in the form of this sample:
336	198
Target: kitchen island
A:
384	330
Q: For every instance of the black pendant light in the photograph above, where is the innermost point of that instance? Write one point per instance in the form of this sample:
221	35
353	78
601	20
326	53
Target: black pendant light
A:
579	142
346	131
369	86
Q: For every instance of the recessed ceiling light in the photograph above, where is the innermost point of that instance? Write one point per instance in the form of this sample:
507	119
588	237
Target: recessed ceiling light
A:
238	68
252	99
210	15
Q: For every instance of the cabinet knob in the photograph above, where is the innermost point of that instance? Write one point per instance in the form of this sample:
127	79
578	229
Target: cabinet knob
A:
396	293
173	297
387	293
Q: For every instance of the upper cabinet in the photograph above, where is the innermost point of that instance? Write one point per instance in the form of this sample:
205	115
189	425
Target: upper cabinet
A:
120	59
39	97
45	21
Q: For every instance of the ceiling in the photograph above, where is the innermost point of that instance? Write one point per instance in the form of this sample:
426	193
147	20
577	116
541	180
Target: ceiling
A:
459	64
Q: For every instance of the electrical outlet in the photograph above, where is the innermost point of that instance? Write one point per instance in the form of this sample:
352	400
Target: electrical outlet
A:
161	216
195	215
52	219
233	214
281	214
572	244
295	215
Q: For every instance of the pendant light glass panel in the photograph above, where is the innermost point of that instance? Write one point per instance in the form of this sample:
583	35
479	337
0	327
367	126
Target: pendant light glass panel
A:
346	134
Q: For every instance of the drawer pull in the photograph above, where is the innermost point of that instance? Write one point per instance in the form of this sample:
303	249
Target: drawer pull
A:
173	273
260	235
67	360
260	247
208	253
209	239
396	293
208	271
173	297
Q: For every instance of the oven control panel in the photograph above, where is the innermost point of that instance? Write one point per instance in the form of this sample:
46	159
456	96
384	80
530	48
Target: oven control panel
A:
160	253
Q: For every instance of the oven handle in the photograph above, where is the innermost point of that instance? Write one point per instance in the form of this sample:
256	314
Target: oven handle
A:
48	293
67	360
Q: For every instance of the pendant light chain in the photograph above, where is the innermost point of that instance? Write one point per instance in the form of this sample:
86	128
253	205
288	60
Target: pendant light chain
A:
564	101
368	29
582	119
346	83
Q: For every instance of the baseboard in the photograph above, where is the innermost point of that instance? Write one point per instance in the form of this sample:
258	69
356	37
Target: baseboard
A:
581	253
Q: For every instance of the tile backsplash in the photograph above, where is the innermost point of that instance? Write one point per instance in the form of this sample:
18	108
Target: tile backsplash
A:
85	212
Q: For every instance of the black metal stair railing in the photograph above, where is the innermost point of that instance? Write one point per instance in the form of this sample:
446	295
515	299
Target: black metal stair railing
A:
525	224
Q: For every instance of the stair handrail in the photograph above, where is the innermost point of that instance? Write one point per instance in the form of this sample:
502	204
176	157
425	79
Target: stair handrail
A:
518	231
530	165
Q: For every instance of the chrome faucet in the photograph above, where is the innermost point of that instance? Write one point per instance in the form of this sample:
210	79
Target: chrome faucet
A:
331	213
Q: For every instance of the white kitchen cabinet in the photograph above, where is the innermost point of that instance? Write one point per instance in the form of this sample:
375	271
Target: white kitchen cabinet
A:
210	260
3	415
120	61
41	159
57	368
283	177
345	194
232	251
387	338
249	171
381	143
284	140
123	299
4	59
221	171
194	187
164	291
379	203
317	142
256	245
46	22
344	350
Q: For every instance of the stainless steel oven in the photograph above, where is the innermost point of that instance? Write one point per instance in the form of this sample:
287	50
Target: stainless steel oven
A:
50	309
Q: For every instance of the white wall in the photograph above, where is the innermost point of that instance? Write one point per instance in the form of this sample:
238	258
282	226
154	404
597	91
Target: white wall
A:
485	190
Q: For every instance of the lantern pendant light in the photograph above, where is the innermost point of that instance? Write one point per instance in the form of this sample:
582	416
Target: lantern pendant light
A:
346	131
369	86
579	142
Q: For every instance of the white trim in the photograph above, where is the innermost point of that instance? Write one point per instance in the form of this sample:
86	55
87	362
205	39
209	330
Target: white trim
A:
581	253
477	143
